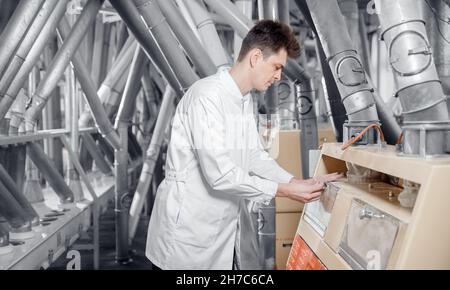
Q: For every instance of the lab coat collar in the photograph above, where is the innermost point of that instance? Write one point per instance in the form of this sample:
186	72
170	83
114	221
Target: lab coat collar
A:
232	86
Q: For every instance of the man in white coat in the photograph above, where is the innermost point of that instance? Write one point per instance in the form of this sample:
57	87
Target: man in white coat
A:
215	159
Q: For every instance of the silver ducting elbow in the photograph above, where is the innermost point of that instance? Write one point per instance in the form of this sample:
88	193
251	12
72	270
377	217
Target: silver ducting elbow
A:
425	113
304	95
347	70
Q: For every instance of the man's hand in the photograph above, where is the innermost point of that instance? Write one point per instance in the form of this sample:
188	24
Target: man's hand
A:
323	178
301	191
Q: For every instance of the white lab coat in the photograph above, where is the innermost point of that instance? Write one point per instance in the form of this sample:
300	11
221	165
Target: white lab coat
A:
214	160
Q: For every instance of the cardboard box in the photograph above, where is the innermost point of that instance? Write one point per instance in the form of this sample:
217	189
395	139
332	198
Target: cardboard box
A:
285	150
285	229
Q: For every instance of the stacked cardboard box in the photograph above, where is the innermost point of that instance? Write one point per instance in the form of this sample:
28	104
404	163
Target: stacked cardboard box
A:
286	151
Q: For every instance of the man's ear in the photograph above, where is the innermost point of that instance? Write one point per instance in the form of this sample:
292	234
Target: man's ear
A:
255	56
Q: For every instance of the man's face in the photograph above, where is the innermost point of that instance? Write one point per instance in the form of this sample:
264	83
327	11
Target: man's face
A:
267	70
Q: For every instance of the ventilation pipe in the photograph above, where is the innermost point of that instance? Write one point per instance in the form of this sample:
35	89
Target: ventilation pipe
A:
208	32
160	29
439	34
246	7
15	30
425	113
87	85
165	114
11	186
123	121
347	70
130	15
26	44
18	219
60	62
268	9
283	11
8	97
5	247
305	99
335	108
187	38
52	176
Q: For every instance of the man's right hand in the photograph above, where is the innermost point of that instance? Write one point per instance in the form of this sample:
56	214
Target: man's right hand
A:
301	191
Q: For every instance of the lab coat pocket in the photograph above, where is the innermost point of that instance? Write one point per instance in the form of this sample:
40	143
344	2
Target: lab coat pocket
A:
198	222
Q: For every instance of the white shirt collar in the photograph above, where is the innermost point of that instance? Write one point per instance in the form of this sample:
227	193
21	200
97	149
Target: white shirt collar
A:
231	85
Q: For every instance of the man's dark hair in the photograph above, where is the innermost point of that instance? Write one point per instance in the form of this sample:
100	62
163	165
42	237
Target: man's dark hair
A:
270	36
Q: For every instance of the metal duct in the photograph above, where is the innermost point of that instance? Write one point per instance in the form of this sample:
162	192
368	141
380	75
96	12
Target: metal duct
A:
439	35
246	7
16	28
99	31
11	210
11	186
98	112
60	62
208	32
268	9
187	38
335	108
4	240
123	121
96	154
283	11
32	57
130	15
305	98
165	114
112	103
52	176
54	109
151	13
347	70
24	47
425	113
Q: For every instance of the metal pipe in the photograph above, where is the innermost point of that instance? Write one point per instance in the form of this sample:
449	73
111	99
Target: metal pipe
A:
26	44
335	107
305	99
130	15
96	107
151	13
54	109
347	70
97	50
15	30
187	38
72	99
8	7
50	173
11	210
208	32
123	120
246	7
11	186
96	154
105	52
5	248
165	114
425	113
283	11
112	103
268	9
32	57
439	35
122	36
60	62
